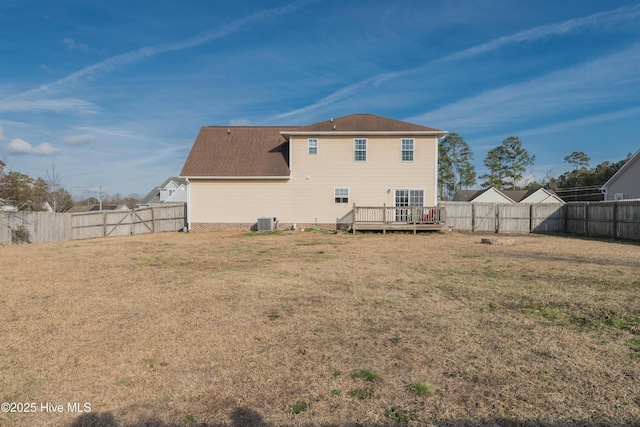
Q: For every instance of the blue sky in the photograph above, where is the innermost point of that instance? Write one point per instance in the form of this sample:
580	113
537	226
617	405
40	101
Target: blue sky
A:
114	93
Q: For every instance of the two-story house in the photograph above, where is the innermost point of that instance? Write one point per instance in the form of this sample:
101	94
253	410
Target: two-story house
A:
308	175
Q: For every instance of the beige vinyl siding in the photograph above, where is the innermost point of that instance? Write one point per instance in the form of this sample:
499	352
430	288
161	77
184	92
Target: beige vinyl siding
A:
627	183
314	178
308	196
239	200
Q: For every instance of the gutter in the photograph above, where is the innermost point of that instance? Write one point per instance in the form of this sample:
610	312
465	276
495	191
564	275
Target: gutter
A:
364	133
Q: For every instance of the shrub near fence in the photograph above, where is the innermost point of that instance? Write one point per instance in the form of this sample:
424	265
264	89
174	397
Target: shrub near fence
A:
34	227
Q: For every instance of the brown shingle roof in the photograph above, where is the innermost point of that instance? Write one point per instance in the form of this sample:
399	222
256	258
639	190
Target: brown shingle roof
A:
364	123
238	151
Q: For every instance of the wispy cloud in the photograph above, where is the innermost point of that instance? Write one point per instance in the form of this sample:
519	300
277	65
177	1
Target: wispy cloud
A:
2	137
54	105
597	20
21	147
71	44
489	141
602	81
341	94
136	56
582	122
79	140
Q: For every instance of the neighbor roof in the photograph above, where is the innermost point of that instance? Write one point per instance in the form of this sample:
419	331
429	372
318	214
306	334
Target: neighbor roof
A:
238	151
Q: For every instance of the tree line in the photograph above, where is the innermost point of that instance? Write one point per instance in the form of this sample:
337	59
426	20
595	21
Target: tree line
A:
24	193
507	164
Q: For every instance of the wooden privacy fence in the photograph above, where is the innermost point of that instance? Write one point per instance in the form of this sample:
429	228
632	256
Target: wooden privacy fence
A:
40	227
153	219
620	219
34	227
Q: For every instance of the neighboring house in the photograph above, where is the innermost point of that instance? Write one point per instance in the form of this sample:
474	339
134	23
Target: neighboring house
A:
46	207
541	195
96	208
173	190
308	175
493	195
624	184
488	195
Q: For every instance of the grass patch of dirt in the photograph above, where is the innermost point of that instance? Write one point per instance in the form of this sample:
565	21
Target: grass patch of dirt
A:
318	329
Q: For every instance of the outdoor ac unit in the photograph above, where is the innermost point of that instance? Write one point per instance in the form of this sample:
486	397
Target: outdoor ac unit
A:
265	224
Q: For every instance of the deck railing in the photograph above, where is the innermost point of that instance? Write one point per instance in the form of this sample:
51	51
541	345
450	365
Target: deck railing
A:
398	214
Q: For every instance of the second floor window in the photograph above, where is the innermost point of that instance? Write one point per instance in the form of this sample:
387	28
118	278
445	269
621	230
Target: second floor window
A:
407	150
360	150
313	147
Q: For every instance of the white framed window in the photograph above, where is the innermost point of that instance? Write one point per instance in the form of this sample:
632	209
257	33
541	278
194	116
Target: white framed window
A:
341	195
360	150
409	197
313	147
618	196
406	149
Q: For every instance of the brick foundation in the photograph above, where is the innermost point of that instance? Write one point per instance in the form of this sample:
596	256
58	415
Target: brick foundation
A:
231	226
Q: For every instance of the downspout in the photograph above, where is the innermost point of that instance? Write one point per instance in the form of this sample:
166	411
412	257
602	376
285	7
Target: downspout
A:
188	205
435	192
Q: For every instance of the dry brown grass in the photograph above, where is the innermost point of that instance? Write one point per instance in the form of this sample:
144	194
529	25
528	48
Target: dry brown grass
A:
232	329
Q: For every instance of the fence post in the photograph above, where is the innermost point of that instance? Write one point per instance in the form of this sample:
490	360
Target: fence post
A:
104	223
531	222
614	226
153	219
586	219
473	217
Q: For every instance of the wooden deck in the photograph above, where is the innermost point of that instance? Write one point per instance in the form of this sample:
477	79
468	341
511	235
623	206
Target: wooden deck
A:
404	218
384	227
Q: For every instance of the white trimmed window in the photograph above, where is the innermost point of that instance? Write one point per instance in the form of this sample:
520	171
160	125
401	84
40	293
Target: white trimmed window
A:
313	147
409	197
360	150
407	150
341	195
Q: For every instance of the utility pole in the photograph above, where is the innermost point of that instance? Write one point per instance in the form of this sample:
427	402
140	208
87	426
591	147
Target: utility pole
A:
101	197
